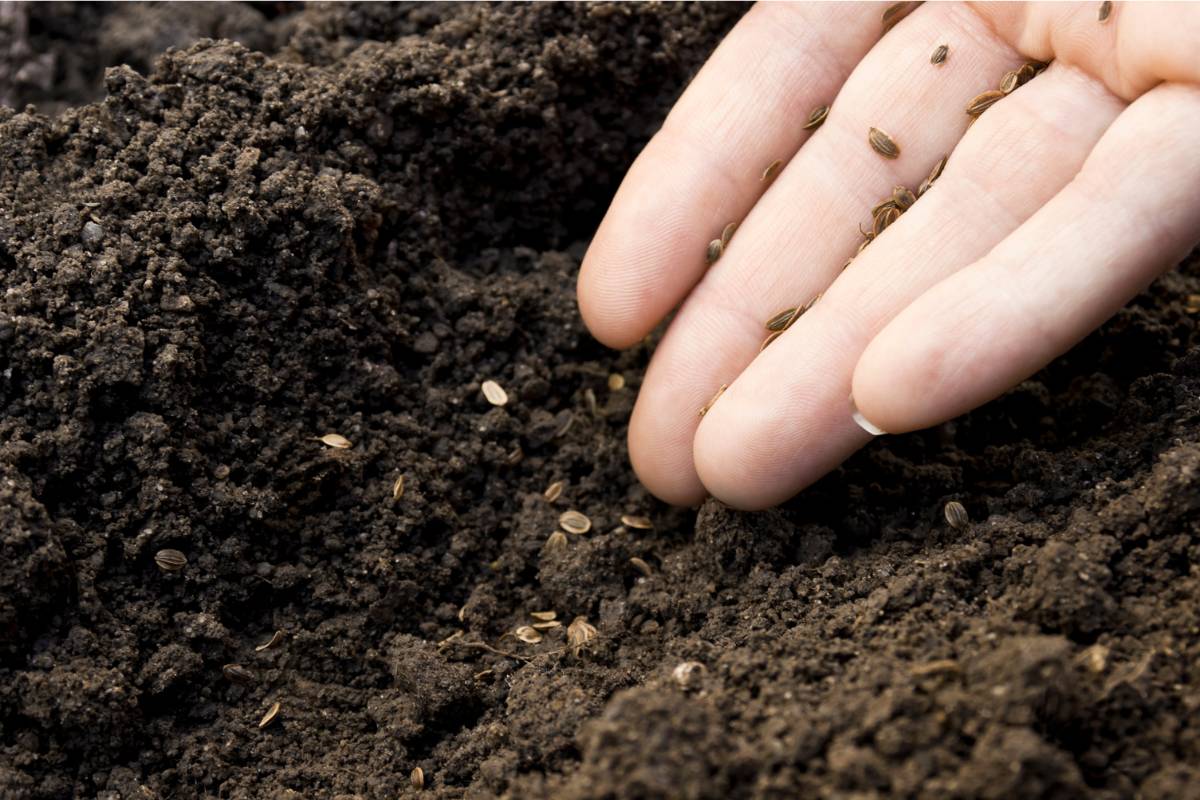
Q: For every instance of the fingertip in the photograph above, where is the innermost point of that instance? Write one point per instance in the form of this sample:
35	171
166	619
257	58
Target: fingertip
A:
895	381
614	323
728	456
660	463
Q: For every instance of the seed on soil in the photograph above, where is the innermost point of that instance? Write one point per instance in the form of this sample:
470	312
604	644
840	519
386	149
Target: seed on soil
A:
983	101
816	118
782	319
398	488
771	171
939	54
616	382
715	249
956	515
727	234
527	634
1105	11
687	672
553	491
882	143
544	616
556	542
514	456
641	566
579	634
275	639
568	421
941	666
589	397
574	522
417	776
712	401
270	716
545	626
1095	658
1010	81
494	393
771	337
335	440
637	521
236	673
170	560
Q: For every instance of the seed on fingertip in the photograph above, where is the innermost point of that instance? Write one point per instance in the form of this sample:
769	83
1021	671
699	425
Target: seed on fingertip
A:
715	249
816	118
771	171
1010	81
1105	11
983	101
770	338
882	143
727	234
714	399
939	55
894	13
781	320
903	197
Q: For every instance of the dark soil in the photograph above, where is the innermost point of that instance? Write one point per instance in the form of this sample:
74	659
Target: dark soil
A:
219	262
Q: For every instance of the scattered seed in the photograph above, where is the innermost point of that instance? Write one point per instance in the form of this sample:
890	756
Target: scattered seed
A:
956	515
398	488
936	172
636	521
816	118
553	491
894	13
939	54
275	639
884	219
782	319
170	560
462	614
1105	11
714	399
1095	658
1192	304
544	616
514	456
771	171
771	337
270	716
527	634
545	626
941	666
568	421
579	634
236	673
417	776
494	393
983	101
616	382
589	397
687	672
483	673
882	143
903	197
727	234
1010	81
641	566
575	522
556	542
335	440
1026	73
715	249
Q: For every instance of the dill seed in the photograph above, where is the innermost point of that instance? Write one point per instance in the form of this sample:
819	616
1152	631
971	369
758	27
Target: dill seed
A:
727	234
771	337
1026	73
771	171
236	673
903	197
894	13
335	440
637	522
544	616
983	101
556	542
885	218
939	667
398	488
880	206
641	566
545	626
686	673
170	560
715	249
553	491
616	382
939	55
1105	11
712	401
527	634
275	639
514	456
493	392
417	777
936	172
580	633
956	515
816	118
781	320
270	716
882	143
575	522
1010	81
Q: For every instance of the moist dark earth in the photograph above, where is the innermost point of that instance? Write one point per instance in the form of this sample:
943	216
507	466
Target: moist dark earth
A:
343	223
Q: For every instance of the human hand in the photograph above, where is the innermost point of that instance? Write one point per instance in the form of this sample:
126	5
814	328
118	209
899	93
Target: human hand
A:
1061	203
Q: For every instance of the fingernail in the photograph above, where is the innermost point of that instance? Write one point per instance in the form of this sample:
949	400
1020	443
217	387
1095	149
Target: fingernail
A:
863	422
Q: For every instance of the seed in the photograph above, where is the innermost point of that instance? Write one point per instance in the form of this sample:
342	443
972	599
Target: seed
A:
568	421
527	634
715	249
641	566
236	673
545	626
398	488
849	261
810	303
894	13
589	397
514	456
579	634
882	143
544	616
713	399
1010	81
1105	11
1026	73
983	101
556	542
939	667
553	491
956	515
494	393
727	234
170	560
687	672
417	778
817	117
781	320
771	337
903	197
771	171
335	440
884	219
638	522
939	54
275	639
616	382
863	245
574	522
270	716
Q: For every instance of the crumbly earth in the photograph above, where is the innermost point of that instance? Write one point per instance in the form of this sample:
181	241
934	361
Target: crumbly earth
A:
346	232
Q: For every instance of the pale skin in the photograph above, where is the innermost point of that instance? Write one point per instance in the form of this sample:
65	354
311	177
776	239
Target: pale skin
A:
1062	202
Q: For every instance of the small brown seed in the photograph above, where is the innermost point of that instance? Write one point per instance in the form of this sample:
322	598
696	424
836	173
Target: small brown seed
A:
924	187
936	172
589	397
270	716
545	626
641	566
579	634
544	616
884	219
771	171
494	393
1105	11
398	488
556	542
727	234
882	143
1026	73
635	521
616	382
275	639
816	118
417	777
514	456
939	667
1010	81
880	206
712	401
894	13
771	337
983	101
574	522
170	560
939	54
527	634
956	515
236	673
715	250
553	491
903	197
686	673
781	320
335	440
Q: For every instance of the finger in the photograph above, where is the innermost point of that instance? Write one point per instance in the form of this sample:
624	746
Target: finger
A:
704	168
786	420
1132	211
797	237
